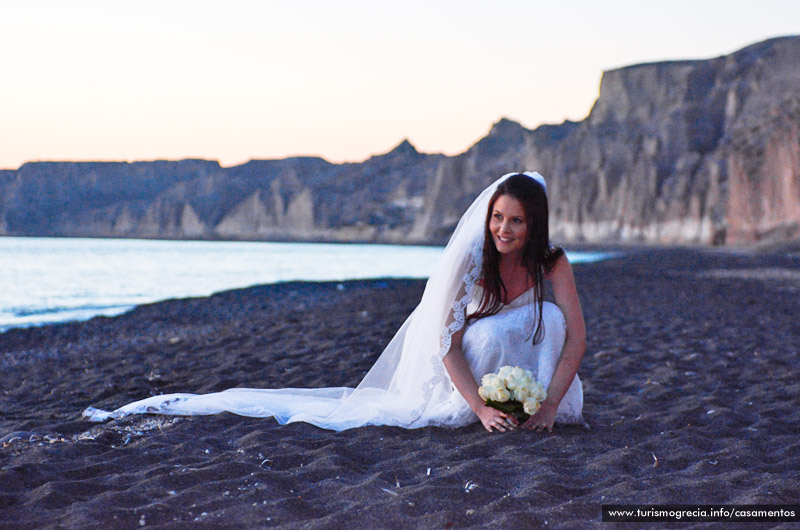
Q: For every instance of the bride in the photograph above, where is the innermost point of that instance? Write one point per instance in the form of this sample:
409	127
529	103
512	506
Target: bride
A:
482	308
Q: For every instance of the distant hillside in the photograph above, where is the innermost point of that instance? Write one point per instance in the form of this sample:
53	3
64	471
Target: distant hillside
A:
704	151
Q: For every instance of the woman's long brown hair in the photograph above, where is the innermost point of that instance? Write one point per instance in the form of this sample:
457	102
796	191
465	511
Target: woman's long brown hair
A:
538	256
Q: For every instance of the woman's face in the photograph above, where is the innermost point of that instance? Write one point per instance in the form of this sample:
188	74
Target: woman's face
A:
508	225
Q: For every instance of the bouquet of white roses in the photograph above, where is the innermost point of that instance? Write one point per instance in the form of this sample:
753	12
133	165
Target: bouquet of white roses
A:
513	389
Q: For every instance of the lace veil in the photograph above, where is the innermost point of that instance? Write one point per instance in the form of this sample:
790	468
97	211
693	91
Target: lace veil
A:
407	386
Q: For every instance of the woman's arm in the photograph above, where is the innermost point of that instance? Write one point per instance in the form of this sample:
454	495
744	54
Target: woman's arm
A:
461	375
566	295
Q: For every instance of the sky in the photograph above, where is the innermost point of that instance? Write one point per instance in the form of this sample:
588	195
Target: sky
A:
240	80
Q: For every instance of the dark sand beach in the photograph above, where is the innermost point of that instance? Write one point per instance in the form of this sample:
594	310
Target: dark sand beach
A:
692	387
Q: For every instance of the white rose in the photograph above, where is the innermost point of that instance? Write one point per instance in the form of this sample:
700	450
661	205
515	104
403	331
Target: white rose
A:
502	395
531	406
513	382
487	379
504	371
520	394
499	381
526	383
496	392
483	392
538	392
491	392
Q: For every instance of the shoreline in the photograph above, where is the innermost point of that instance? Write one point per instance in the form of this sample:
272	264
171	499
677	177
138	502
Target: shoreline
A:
691	382
110	278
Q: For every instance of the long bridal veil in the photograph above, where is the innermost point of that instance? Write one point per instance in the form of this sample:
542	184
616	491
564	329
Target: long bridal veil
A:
407	386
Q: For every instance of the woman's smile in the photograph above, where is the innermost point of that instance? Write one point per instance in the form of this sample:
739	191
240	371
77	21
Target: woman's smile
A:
508	225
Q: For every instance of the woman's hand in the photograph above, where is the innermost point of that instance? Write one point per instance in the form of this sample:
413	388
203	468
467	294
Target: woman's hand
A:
543	419
464	381
492	418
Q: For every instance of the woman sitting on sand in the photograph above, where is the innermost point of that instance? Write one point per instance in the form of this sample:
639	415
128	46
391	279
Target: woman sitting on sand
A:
510	324
482	308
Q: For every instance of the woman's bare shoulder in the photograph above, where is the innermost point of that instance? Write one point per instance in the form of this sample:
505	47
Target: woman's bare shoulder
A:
560	268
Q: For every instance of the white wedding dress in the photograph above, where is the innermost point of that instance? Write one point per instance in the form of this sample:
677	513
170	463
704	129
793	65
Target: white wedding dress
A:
408	385
506	339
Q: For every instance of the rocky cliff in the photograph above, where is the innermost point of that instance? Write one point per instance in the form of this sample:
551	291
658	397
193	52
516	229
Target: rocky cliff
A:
675	152
703	151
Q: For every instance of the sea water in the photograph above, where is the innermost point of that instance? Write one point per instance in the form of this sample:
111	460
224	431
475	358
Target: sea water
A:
46	280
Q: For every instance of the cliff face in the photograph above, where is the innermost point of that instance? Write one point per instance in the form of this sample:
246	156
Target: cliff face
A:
677	152
301	198
764	177
699	151
687	152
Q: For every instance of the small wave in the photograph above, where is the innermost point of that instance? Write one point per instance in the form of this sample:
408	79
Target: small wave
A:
25	318
39	311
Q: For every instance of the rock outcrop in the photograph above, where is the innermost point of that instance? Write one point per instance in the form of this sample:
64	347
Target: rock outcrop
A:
704	151
674	152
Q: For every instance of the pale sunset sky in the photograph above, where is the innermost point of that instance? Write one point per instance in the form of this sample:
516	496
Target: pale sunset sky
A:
235	80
